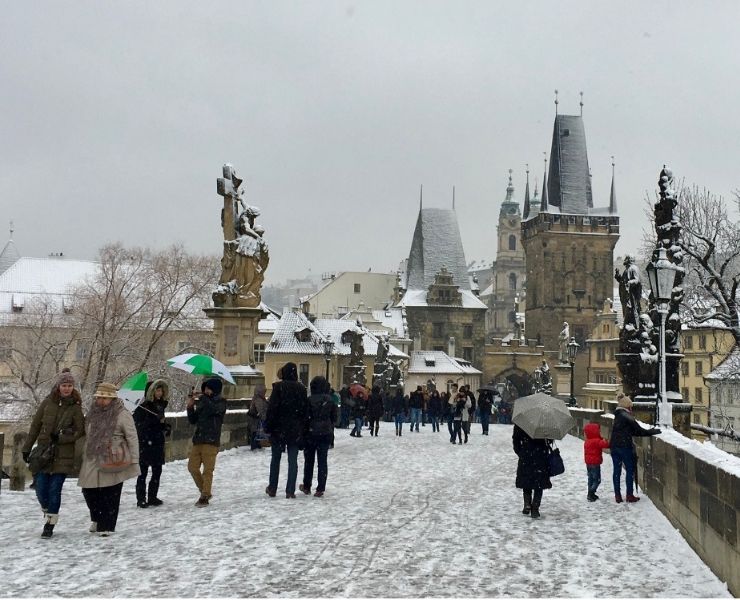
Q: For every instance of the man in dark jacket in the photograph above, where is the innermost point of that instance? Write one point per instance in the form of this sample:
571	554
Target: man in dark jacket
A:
322	414
399	410
287	424
375	410
622	448
416	403
485	402
207	414
151	429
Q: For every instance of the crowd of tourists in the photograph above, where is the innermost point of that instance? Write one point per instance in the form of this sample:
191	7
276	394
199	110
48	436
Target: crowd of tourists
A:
119	445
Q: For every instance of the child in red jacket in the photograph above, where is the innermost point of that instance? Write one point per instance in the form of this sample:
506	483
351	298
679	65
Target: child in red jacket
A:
592	447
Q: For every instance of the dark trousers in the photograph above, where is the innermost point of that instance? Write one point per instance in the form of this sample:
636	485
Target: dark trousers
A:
435	422
344	417
103	504
457	431
466	429
153	482
277	451
485	419
532	498
49	491
451	426
374	425
316	450
594	478
358	426
623	456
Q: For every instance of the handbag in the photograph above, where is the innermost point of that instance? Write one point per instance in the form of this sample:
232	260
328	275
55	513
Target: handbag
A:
41	457
117	460
555	462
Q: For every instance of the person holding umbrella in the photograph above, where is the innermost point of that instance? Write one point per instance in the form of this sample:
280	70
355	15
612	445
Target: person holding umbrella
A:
207	414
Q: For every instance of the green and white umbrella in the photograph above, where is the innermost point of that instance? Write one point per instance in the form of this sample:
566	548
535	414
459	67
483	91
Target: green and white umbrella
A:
132	390
200	364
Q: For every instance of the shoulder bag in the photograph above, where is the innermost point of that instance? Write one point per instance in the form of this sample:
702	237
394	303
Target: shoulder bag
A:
555	462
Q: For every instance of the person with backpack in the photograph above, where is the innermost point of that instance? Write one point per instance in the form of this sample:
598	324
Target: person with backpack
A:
322	413
287	424
59	422
152	430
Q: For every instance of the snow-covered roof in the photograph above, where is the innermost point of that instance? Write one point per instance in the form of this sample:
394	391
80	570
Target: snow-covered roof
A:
394	318
284	340
269	324
438	362
419	298
8	256
479	265
728	369
488	291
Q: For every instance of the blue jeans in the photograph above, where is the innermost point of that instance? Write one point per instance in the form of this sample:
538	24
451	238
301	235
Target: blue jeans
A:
594	477
623	456
316	450
358	425
400	418
434	420
49	491
277	451
415	418
485	419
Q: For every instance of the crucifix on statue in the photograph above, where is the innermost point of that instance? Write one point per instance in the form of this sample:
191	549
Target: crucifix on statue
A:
228	187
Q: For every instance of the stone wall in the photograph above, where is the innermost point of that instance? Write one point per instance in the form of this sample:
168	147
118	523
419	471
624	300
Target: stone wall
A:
233	433
701	499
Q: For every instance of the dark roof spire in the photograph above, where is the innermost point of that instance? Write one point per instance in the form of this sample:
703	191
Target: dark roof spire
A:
556	103
613	194
421	196
569	178
526	197
545	196
453	197
581	103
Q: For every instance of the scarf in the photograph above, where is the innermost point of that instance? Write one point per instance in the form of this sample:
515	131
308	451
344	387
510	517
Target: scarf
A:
102	421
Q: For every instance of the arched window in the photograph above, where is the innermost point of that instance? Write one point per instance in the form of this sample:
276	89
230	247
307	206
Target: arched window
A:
512	242
512	282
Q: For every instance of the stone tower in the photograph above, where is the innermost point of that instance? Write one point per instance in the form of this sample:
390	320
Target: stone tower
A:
509	271
568	243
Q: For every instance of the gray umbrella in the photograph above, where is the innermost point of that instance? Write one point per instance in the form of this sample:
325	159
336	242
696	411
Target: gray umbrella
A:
542	416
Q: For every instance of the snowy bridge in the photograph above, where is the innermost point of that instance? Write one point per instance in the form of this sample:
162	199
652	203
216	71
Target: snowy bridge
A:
408	517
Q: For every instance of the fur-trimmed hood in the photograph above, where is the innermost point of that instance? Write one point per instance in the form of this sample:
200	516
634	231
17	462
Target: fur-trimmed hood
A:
154	385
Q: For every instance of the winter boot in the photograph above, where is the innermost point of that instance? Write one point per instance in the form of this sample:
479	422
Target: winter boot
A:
535	514
305	489
93	527
270	491
631	498
142	504
202	501
155	502
352	433
618	498
377	428
591	497
527	502
48	531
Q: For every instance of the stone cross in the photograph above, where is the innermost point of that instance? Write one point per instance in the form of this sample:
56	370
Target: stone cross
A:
228	187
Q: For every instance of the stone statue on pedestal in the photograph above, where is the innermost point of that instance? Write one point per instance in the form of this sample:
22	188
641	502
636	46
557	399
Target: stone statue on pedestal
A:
245	254
563	339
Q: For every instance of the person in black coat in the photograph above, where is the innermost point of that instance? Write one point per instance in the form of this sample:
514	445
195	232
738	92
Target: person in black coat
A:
533	469
287	424
207	414
435	409
322	413
358	407
399	409
151	429
416	403
485	402
375	410
622	448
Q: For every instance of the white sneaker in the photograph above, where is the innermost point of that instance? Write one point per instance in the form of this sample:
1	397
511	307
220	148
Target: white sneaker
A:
93	527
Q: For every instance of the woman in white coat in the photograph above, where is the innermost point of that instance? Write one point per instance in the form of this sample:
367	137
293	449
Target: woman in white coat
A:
111	457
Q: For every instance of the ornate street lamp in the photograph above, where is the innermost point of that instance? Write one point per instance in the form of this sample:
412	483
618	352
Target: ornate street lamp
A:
662	274
328	344
572	351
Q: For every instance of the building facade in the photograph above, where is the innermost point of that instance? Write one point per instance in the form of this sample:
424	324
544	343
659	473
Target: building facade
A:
348	291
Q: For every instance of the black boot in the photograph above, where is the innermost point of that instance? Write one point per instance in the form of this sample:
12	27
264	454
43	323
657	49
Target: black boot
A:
535	514
527	502
48	531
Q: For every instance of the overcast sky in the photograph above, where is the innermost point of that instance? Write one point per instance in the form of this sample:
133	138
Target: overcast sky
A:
115	118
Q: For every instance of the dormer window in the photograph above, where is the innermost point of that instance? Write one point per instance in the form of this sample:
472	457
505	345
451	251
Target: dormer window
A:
303	335
347	337
429	361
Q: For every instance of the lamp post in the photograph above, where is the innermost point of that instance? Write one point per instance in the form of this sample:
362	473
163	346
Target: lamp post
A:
572	351
662	274
328	344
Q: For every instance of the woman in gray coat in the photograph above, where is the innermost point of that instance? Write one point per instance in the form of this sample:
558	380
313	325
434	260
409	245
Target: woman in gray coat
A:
111	457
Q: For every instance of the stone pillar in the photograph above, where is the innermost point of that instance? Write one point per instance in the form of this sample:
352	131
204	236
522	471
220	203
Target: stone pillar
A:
235	330
561	383
18	468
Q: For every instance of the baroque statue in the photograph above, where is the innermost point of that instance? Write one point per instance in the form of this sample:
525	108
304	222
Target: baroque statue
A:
246	254
563	339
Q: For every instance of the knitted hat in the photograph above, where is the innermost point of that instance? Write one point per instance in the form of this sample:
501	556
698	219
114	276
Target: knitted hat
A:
214	384
624	401
106	390
65	377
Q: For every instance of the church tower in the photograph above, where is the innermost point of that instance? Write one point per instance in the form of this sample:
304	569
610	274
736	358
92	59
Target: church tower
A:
568	243
509	270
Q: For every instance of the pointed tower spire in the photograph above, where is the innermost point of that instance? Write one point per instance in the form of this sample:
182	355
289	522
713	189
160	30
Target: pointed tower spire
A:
556	102
421	196
526	197
509	189
613	194
581	103
12	228
453	197
544	203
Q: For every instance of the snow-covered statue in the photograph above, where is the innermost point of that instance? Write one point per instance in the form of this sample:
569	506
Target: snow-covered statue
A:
563	339
383	348
630	290
246	254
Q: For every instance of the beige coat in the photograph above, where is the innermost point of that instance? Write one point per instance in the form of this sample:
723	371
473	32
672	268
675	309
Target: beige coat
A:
92	477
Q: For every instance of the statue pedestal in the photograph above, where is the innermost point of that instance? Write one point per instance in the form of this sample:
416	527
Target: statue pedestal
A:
562	381
234	330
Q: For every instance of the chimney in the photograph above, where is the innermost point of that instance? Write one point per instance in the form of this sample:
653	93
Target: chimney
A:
451	347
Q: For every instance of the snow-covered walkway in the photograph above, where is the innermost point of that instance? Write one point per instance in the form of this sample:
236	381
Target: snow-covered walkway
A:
407	517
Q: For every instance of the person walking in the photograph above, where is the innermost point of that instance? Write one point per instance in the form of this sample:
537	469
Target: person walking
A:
345	408
448	412
622	447
375	410
593	446
207	414
111	457
485	403
256	414
322	414
533	469
58	421
416	402
357	412
458	406
466	413
287	424
151	430
399	410
435	409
